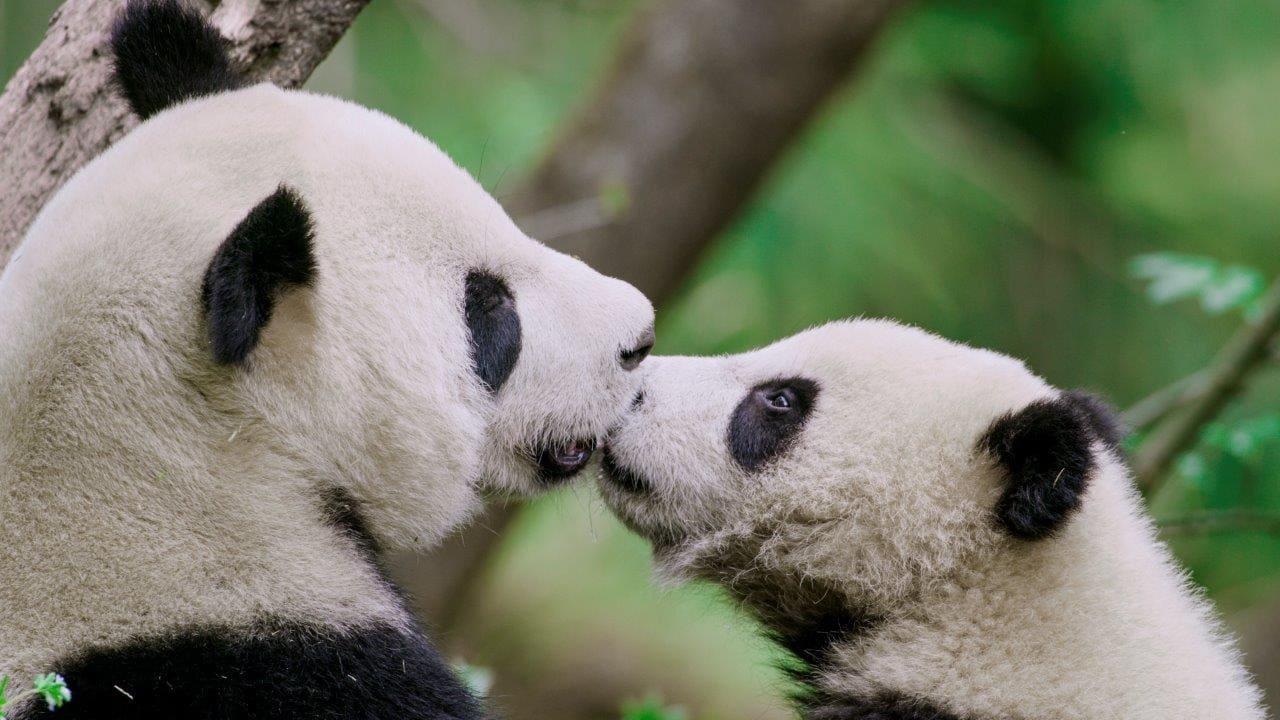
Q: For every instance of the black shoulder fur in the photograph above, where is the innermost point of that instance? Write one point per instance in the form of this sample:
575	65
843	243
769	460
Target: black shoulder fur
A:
267	252
1046	452
165	54
278	670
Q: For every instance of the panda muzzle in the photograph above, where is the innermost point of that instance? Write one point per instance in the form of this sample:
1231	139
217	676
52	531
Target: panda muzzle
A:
562	461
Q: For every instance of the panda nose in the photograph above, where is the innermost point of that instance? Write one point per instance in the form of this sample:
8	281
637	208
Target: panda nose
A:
631	359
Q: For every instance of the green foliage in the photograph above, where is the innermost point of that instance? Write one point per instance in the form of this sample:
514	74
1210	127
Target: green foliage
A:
652	708
1241	444
51	688
1174	276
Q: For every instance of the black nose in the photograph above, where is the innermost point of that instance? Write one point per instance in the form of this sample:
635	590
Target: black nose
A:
632	358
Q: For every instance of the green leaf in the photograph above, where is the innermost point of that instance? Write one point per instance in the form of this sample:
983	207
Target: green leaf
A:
4	698
1173	276
1232	287
53	689
1193	468
652	708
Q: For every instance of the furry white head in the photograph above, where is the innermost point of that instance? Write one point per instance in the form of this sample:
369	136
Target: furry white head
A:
258	310
929	527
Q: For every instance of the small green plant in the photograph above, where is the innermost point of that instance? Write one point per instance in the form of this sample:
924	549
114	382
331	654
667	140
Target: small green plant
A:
652	708
51	687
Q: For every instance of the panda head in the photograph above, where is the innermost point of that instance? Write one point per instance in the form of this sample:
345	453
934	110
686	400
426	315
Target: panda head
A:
326	290
857	460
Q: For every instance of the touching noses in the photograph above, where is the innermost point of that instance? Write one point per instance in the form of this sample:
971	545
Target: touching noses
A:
631	359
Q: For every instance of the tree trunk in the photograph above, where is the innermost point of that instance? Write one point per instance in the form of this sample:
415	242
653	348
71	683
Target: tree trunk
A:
703	98
59	110
701	102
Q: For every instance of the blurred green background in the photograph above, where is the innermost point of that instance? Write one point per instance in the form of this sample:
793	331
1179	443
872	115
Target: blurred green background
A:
991	175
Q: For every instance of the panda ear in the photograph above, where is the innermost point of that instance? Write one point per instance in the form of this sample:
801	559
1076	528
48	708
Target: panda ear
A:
268	252
1046	453
165	54
1102	418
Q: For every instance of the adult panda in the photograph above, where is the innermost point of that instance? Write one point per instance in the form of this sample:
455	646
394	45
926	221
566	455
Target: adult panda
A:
264	337
931	529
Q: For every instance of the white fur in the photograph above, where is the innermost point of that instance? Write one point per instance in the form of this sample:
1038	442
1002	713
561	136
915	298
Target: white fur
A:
886	503
143	487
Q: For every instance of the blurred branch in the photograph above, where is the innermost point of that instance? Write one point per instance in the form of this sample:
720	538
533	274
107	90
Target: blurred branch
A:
1160	403
702	100
1243	353
1221	521
59	110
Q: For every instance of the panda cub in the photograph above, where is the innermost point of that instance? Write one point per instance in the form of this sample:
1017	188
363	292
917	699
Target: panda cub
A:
265	337
931	529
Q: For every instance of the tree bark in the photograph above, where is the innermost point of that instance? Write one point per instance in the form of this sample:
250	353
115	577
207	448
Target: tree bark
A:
702	100
59	110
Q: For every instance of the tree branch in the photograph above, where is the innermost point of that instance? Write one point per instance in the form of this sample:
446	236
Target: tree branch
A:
1156	406
1195	407
1221	521
59	110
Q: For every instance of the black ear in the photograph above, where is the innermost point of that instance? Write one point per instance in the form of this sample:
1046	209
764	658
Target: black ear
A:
1103	419
269	251
1046	452
166	53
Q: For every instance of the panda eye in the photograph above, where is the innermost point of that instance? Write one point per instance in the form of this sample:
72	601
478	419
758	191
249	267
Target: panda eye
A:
497	301
768	420
494	325
780	401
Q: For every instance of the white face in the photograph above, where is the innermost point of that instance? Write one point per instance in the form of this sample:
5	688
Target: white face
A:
377	377
844	455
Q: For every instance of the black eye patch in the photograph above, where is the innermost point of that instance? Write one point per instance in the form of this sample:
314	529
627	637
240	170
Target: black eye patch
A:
494	326
767	421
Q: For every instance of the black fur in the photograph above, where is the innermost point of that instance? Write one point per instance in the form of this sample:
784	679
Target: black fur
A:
811	640
277	670
269	251
342	513
1103	418
809	629
165	54
631	359
882	707
760	432
1046	451
624	477
494	325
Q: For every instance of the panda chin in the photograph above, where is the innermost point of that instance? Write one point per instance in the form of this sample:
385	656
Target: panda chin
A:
622	476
